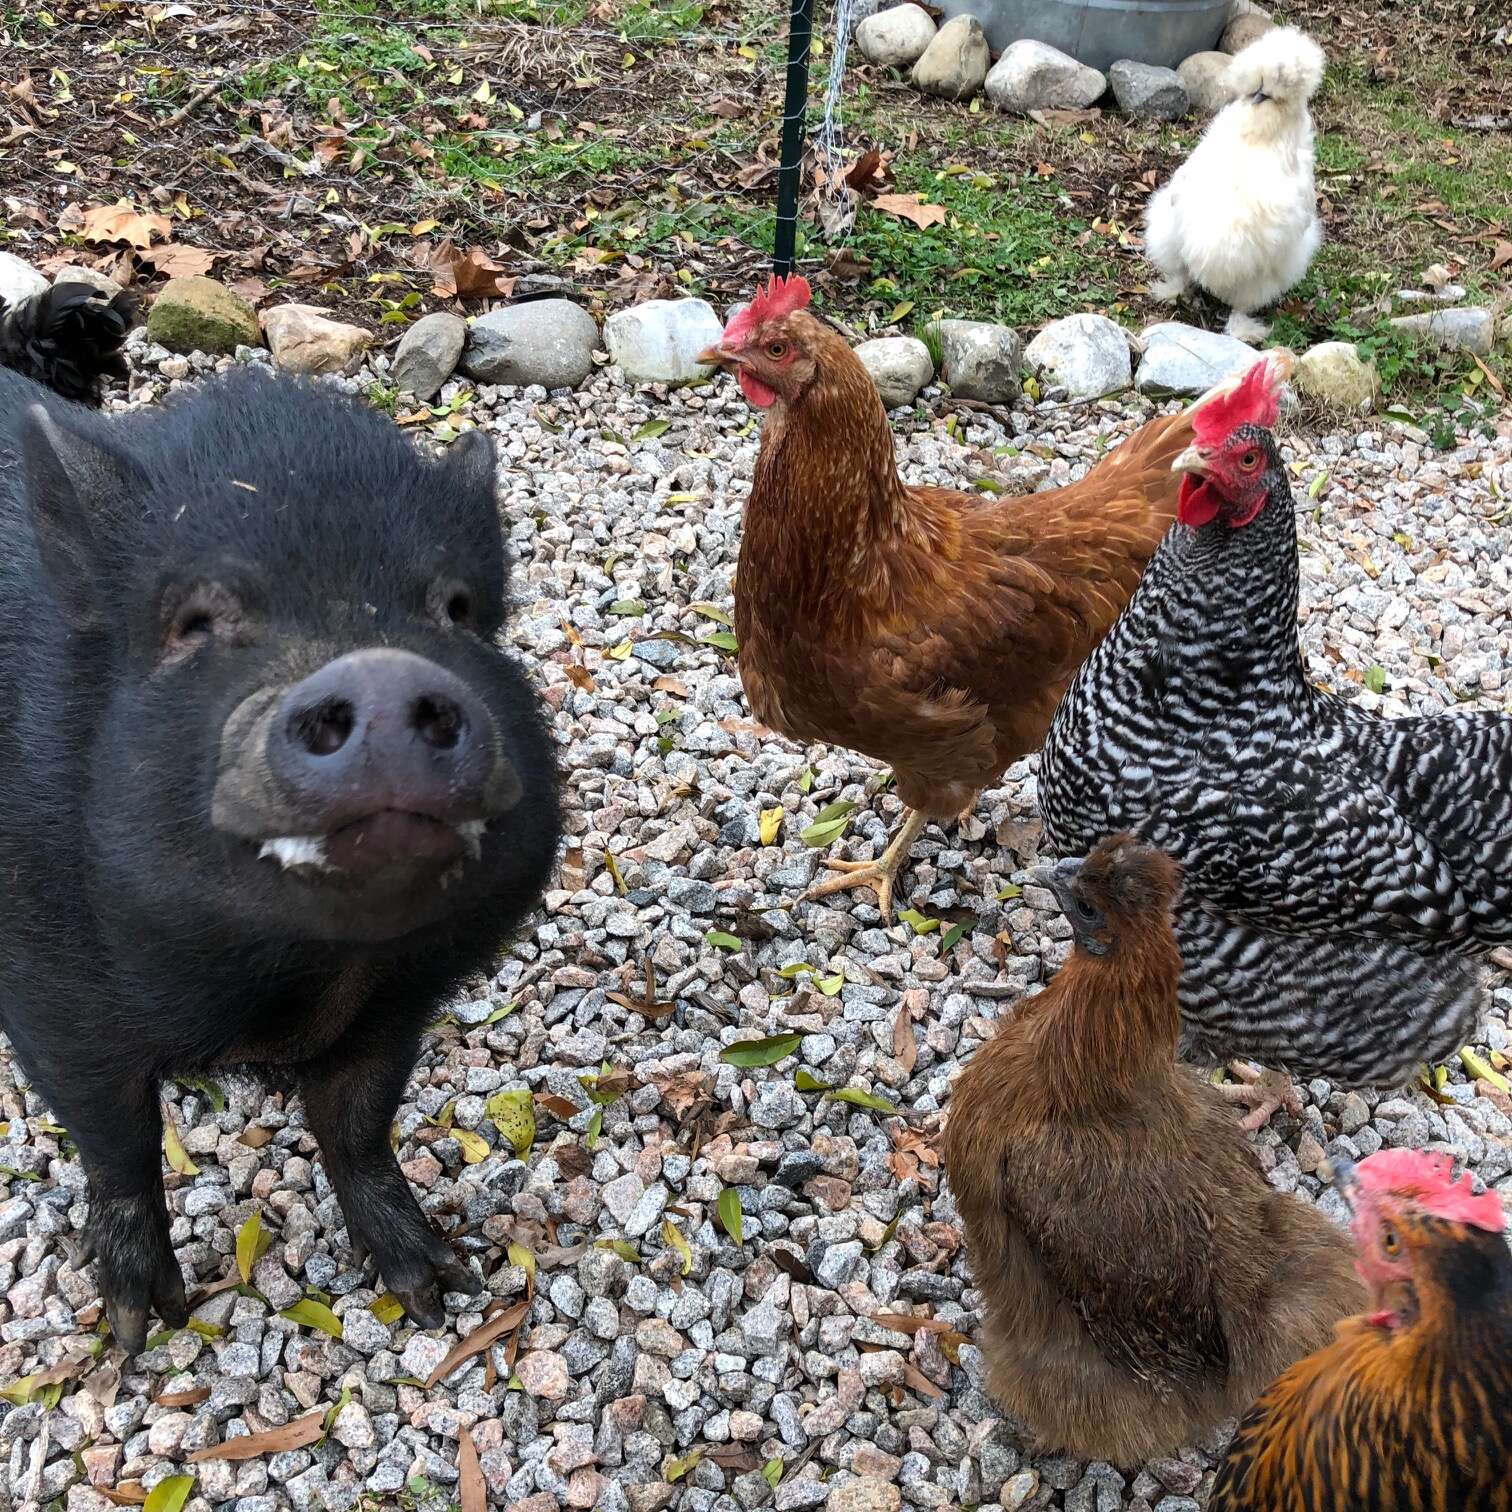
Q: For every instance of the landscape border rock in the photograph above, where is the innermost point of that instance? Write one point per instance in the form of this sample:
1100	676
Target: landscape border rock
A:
896	37
954	66
1032	75
199	315
899	365
659	340
980	360
1086	354
546	341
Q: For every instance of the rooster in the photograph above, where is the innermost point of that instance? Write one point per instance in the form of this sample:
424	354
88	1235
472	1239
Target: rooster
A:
1239	218
1410	1406
1142	1279
68	337
928	629
1343	872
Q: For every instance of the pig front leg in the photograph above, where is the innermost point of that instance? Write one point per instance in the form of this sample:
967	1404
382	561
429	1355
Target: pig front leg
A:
350	1095
119	1132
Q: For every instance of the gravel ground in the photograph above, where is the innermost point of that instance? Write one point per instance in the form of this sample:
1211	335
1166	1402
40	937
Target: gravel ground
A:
651	1333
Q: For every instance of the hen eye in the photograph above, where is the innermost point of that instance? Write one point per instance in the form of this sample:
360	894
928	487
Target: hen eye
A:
777	349
1250	460
1391	1241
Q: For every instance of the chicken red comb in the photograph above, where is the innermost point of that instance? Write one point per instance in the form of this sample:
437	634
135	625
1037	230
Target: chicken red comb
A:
780	297
1429	1180
1252	399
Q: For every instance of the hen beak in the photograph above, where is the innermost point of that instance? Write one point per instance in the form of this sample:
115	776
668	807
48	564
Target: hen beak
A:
718	355
1191	461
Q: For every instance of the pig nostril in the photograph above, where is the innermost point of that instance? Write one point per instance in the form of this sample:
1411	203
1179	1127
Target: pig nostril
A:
439	722
324	728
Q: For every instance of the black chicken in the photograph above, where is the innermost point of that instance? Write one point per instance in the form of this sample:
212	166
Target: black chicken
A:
1343	872
68	337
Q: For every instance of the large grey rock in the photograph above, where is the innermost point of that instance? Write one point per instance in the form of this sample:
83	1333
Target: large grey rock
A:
657	342
18	280
896	38
547	341
1183	359
899	365
1244	29
1035	76
304	339
1335	375
429	353
1087	355
1151	93
1205	77
199	315
980	360
1470	329
954	66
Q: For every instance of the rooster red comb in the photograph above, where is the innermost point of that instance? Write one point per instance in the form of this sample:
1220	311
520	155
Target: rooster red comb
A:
1429	1180
1254	398
780	297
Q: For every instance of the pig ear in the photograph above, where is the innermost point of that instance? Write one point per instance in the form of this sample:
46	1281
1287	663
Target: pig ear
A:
469	461
72	483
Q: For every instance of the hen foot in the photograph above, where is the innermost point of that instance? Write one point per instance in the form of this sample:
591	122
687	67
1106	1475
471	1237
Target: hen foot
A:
1246	327
1501	958
880	874
1265	1092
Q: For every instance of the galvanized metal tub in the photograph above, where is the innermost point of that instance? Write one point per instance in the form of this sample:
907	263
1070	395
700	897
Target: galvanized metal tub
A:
1100	32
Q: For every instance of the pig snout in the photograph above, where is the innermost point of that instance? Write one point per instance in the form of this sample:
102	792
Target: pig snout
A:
380	760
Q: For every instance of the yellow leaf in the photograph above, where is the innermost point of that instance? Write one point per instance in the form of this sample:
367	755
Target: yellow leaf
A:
474	1147
422	226
673	1236
619	652
387	1309
252	1240
173	1147
309	1313
169	1494
771	825
483	94
519	1255
513	1114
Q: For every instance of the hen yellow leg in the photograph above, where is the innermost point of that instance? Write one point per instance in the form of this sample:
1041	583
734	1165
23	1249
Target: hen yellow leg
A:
1263	1091
879	874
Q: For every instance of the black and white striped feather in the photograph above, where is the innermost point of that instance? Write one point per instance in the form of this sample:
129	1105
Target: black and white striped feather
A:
1342	871
69	338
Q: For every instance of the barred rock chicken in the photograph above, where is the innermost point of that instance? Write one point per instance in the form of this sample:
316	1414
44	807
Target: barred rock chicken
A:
1342	871
1143	1281
928	629
68	337
1410	1407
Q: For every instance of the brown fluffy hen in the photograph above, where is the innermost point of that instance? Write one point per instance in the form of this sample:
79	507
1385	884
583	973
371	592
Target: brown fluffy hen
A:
929	629
1409	1409
1142	1280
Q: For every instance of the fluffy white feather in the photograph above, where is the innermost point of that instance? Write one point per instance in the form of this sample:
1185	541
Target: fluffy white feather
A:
1239	218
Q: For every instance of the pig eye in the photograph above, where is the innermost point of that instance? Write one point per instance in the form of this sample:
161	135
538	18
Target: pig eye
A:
196	616
451	604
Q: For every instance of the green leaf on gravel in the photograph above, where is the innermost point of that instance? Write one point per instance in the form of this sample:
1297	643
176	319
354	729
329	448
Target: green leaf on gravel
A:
627	607
806	1081
388	1309
311	1314
1012	890
672	1235
713	612
252	1241
173	1147
772	1471
595	1128
677	1468
729	1214
952	937
499	1014
335	1409
169	1494
760	1052
722	639
864	1099
651	430
513	1115
722	941
830	985
828	823
797	969
805	779
1375	679
917	922
473	1146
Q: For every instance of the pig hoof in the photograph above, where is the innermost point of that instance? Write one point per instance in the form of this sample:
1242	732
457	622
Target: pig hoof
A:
137	1278
421	1295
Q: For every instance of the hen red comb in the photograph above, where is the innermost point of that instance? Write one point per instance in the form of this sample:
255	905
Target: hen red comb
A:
1254	399
1429	1180
780	297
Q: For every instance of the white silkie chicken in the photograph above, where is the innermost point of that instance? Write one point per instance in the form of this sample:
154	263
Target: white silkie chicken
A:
1239	218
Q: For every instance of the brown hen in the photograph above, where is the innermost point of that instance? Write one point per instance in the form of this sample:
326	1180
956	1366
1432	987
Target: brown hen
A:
1410	1406
929	629
1141	1279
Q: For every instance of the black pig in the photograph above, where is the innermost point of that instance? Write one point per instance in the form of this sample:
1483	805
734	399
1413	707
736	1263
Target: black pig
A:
268	788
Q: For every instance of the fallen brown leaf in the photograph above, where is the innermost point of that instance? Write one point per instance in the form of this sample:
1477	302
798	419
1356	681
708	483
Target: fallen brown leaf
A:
479	1340
921	1383
471	1491
1501	256
127	1494
190	1398
173	261
558	1107
905	1046
296	1435
580	677
472	274
120	222
255	1137
909	207
863	171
